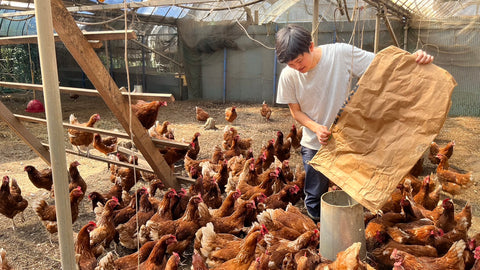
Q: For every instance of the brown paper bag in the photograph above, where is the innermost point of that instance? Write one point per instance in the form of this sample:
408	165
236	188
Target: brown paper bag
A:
394	115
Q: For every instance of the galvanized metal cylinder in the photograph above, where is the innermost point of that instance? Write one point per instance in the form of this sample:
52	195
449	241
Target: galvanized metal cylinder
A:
341	224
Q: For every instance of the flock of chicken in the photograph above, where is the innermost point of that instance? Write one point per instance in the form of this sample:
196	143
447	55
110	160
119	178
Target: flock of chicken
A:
417	230
240	212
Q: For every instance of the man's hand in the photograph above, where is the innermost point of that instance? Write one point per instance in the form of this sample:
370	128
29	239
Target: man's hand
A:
322	134
422	57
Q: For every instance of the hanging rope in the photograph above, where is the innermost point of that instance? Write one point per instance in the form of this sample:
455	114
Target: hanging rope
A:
130	112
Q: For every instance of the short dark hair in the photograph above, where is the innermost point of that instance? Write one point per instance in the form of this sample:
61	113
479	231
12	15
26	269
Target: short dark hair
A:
292	41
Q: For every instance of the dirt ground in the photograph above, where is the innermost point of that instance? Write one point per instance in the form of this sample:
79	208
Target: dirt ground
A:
28	247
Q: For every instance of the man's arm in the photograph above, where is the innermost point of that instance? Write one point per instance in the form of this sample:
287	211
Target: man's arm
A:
322	131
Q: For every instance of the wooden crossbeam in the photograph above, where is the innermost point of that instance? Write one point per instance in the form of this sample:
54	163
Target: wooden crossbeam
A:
182	179
93	67
157	142
91	36
32	141
90	92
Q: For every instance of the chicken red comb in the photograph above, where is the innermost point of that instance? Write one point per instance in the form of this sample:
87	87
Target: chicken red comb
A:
264	229
92	223
115	198
79	188
238	191
476	253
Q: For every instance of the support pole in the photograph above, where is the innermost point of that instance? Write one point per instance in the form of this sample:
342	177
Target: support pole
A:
224	75
315	22
377	33
56	135
390	30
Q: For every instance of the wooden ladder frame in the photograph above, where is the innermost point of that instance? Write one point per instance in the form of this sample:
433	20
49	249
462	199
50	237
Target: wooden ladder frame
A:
82	51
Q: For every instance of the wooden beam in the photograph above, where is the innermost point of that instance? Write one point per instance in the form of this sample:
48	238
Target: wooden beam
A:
182	179
8	117
390	30
157	142
93	7
90	92
315	22
56	137
376	40
93	67
91	36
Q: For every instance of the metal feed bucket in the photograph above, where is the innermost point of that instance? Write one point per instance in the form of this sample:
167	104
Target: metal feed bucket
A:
341	224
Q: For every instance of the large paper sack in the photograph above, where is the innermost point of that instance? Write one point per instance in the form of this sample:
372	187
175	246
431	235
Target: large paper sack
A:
396	112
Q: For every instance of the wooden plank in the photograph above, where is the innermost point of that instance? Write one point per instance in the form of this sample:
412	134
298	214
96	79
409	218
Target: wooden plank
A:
90	92
32	141
92	36
157	142
93	67
183	179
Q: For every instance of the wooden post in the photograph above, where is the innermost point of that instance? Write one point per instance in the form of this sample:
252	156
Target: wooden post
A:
377	33
390	30
93	67
315	22
56	134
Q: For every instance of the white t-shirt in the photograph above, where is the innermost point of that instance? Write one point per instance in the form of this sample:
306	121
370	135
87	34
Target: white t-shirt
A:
322	91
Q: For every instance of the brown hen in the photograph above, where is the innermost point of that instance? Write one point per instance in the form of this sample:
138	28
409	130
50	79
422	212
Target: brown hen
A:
265	111
201	114
11	200
40	179
104	145
231	114
452	260
84	254
435	150
147	112
82	139
48	213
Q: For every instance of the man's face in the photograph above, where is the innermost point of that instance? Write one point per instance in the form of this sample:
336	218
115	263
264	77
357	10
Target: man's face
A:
304	62
300	63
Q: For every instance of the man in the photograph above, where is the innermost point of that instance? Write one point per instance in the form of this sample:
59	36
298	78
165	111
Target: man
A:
315	85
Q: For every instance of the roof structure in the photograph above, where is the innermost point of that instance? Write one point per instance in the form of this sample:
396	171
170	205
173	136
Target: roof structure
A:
258	11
